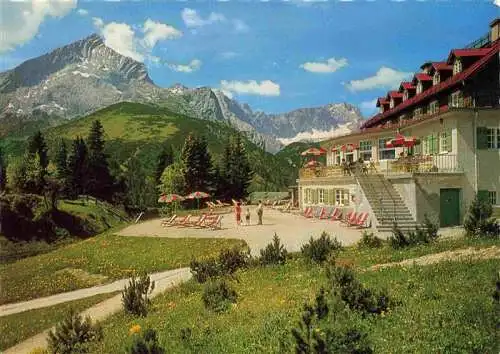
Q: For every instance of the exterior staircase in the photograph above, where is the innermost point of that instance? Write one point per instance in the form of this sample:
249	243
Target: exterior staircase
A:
386	203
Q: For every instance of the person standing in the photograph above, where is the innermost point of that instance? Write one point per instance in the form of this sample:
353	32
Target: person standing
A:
260	210
247	217
237	210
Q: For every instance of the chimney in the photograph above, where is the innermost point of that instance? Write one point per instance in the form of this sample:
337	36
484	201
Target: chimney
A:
495	29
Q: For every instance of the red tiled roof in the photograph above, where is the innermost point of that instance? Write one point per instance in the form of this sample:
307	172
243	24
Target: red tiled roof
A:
406	86
394	94
381	101
422	77
472	52
453	80
442	65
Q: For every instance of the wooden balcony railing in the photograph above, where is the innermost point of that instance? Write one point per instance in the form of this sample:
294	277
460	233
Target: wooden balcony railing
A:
446	163
322	171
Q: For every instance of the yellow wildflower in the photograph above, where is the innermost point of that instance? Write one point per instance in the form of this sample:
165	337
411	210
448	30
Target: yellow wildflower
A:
134	329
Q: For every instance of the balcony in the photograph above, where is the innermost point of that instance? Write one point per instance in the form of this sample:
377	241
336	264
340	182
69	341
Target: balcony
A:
321	172
446	163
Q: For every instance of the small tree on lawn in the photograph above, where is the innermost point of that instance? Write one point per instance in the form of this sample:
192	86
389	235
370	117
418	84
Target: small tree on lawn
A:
100	181
478	221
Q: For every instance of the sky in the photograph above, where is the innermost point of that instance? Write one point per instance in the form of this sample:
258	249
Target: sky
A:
275	55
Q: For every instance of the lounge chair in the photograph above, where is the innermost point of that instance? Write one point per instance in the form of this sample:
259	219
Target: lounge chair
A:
221	204
308	212
213	223
361	221
182	221
168	221
350	218
327	214
336	214
197	222
318	212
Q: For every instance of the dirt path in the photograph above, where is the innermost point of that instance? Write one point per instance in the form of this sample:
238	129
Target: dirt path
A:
492	252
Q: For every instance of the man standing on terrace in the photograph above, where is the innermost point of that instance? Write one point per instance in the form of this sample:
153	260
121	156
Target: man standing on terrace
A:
260	210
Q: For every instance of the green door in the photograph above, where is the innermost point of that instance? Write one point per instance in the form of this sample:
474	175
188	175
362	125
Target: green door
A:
449	207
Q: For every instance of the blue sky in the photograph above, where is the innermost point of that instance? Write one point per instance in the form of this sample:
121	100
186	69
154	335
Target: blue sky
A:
275	56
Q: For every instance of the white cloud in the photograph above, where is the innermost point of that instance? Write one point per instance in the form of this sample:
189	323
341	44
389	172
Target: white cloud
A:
384	78
194	65
191	18
21	20
98	22
227	93
156	31
330	66
121	38
82	12
126	39
240	26
251	87
496	2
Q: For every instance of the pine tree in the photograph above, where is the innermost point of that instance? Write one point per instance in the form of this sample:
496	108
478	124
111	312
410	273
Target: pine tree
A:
237	172
100	181
165	159
61	161
197	164
3	171
77	169
37	145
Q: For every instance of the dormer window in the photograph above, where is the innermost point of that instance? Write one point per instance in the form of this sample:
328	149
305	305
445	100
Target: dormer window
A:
436	78
457	66
405	95
420	87
391	104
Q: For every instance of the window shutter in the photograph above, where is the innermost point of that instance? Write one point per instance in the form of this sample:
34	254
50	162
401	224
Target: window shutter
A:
482	138
448	141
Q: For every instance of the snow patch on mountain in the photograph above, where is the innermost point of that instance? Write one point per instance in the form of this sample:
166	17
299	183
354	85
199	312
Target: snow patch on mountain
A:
318	135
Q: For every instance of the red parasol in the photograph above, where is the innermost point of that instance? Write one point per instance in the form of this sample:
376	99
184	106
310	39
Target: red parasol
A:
313	163
348	147
169	198
314	152
402	141
198	195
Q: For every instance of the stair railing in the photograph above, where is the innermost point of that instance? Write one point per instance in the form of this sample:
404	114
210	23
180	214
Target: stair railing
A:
377	198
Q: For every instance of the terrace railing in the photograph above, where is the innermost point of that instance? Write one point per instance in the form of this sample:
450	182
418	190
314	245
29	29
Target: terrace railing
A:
318	172
445	163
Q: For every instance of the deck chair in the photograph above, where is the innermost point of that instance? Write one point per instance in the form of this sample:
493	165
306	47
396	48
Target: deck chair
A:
327	214
350	218
362	219
197	222
213	223
336	214
308	212
318	212
168	221
182	221
221	204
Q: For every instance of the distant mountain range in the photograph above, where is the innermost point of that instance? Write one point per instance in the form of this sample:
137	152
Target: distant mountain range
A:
85	76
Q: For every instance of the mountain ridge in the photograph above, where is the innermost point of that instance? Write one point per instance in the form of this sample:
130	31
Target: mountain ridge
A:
84	76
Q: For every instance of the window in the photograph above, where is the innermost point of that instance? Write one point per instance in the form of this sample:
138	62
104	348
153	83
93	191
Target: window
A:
365	150
457	66
420	87
342	196
433	107
430	145
456	99
321	195
307	196
436	78
385	153
444	142
417	112
405	95
391	103
492	197
488	138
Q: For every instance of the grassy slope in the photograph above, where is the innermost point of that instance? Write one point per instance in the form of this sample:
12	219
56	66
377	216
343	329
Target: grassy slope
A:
133	127
20	326
105	255
436	313
92	218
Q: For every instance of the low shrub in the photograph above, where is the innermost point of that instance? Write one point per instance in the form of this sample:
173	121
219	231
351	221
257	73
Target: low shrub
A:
354	294
369	240
218	295
318	250
230	260
73	335
204	270
135	296
479	221
427	234
274	253
145	343
398	238
318	334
